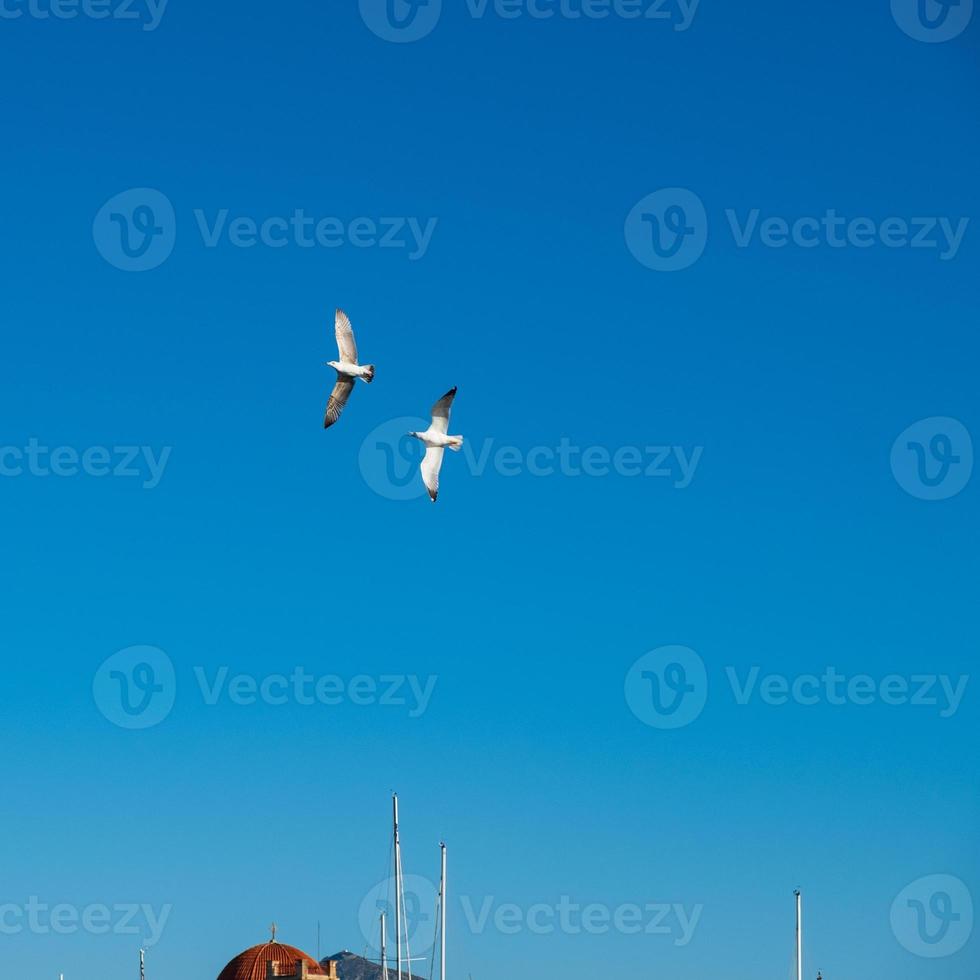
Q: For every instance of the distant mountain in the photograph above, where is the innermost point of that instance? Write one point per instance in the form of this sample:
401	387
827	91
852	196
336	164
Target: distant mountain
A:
350	966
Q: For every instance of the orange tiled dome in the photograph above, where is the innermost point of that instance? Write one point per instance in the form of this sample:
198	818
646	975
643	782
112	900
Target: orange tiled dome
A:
250	965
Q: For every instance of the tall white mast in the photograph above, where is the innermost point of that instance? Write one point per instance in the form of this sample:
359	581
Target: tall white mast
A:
398	888
442	916
799	934
384	948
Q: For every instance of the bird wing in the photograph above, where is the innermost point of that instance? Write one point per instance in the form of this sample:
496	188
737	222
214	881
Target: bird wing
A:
431	463
440	411
345	338
338	399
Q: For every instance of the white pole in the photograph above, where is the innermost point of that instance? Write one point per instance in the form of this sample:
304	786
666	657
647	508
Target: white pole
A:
384	949
398	889
405	925
799	934
142	965
442	916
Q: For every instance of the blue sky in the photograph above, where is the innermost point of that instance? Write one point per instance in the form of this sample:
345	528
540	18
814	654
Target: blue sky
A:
784	377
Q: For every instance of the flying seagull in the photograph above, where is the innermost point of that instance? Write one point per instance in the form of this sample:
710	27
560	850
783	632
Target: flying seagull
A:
347	369
436	439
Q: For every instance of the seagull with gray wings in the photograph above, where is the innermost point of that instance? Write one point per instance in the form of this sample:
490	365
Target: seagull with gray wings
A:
436	439
347	368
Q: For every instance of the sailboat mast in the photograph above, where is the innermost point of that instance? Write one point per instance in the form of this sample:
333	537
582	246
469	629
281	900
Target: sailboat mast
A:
384	948
442	916
799	934
398	888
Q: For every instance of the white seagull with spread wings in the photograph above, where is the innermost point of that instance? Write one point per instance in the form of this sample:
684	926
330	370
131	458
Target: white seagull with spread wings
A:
347	369
436	439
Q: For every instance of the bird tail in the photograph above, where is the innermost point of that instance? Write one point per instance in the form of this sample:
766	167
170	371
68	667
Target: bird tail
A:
368	373
455	443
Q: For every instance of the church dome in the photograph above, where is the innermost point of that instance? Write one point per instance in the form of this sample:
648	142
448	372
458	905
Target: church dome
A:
250	965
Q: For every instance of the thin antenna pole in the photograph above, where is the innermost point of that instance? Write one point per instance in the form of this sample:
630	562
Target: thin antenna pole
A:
398	887
799	934
442	916
384	948
405	925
